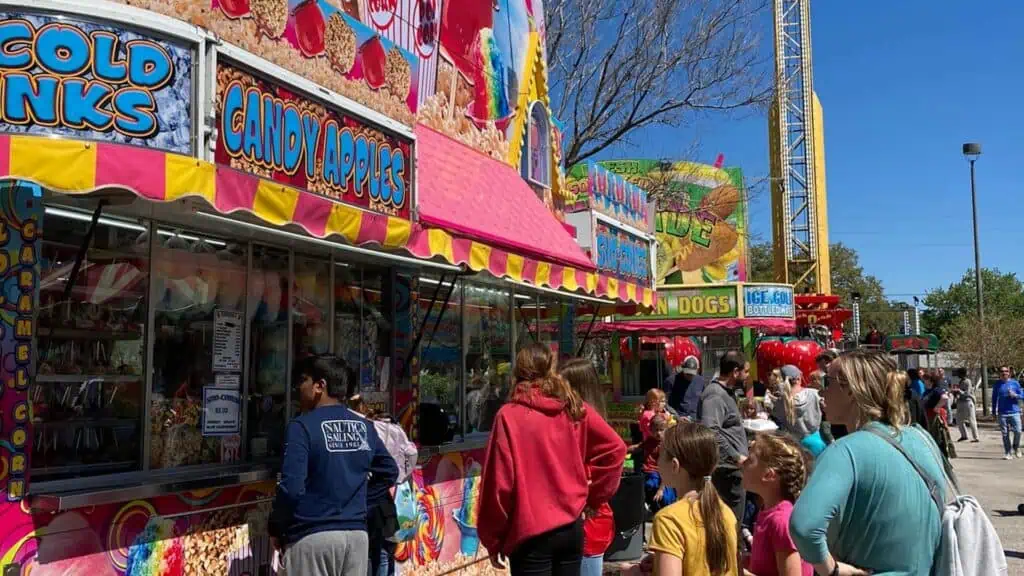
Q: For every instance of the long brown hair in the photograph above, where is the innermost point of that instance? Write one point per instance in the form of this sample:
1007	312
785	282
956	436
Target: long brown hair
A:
535	368
582	377
695	448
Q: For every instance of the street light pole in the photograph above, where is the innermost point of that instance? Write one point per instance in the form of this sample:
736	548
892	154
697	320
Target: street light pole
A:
971	151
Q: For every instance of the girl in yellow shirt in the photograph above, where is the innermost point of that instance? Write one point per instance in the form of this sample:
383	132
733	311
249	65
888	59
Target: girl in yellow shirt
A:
697	535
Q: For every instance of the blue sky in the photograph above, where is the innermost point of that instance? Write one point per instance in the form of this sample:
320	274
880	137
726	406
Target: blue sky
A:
903	85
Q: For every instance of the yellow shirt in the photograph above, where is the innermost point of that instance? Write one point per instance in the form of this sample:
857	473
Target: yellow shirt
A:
679	531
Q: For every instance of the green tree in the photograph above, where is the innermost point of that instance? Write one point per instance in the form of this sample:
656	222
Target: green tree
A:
762	267
847	277
1004	297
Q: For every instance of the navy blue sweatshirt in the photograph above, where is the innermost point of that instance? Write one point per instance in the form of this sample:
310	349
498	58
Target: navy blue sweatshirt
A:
330	454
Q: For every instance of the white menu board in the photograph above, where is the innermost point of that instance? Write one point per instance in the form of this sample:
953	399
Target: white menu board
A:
227	341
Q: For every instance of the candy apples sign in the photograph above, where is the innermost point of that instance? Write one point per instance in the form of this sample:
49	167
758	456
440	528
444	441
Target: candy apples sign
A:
269	131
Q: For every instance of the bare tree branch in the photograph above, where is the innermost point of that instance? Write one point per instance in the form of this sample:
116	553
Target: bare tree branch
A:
616	66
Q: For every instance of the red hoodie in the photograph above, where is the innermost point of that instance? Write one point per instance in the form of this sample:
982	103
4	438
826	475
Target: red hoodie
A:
535	473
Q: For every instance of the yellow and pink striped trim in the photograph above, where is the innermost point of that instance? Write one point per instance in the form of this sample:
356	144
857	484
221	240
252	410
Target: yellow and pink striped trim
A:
80	167
477	256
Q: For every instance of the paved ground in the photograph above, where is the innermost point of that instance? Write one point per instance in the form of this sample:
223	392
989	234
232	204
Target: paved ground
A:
998	485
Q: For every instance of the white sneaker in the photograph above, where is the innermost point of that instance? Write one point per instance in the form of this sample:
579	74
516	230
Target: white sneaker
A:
1008	457
1017	454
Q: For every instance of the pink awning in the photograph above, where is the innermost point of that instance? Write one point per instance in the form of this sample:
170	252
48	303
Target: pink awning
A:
765	325
475	196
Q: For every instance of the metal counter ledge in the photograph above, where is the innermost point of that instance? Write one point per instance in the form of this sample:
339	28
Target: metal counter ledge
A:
60	495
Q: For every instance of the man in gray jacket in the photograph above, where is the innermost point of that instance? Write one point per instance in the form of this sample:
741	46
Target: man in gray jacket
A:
718	410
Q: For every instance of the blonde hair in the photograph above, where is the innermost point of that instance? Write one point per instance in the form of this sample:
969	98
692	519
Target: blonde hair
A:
695	448
877	393
787	399
789	460
653	397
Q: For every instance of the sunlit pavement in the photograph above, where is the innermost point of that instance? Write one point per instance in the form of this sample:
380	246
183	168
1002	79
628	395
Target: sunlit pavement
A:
999	486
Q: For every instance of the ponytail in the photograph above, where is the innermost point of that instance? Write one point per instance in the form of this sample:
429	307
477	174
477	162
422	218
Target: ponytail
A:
787	401
716	540
695	448
894	411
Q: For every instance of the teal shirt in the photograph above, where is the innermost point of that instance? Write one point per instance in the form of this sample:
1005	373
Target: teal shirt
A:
866	505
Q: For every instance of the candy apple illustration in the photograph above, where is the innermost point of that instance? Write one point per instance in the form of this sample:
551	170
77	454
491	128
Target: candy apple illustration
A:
374	61
310	28
234	8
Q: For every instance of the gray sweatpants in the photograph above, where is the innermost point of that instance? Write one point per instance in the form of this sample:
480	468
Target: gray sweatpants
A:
334	553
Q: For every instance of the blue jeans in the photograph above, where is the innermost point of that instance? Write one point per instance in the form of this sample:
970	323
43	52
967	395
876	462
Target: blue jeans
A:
592	565
1008	422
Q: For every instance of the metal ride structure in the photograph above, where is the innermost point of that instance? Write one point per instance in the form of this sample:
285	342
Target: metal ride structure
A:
796	146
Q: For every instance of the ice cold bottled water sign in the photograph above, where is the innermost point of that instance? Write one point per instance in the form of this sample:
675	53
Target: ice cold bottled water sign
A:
768	302
84	80
344	435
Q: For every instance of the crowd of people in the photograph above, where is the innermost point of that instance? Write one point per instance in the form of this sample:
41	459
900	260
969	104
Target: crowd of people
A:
841	510
553	464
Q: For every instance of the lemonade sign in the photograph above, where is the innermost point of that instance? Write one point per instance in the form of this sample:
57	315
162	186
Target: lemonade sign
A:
700	223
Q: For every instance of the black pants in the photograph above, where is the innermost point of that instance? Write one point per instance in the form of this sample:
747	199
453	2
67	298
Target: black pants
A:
729	484
556	552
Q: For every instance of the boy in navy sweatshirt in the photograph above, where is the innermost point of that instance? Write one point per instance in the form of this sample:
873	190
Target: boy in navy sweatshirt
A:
319	514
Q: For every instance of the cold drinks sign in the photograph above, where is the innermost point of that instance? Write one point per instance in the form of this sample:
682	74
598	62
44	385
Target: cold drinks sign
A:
270	131
76	78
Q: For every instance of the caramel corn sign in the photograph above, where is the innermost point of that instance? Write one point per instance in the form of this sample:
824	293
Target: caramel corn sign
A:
270	131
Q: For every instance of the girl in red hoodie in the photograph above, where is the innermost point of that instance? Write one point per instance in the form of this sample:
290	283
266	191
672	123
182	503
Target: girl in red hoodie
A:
598	523
549	457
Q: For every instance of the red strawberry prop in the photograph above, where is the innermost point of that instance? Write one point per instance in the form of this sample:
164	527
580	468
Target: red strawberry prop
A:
234	8
374	61
803	354
769	357
310	28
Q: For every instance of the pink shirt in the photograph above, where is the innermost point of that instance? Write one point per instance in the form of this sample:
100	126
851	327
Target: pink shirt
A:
771	533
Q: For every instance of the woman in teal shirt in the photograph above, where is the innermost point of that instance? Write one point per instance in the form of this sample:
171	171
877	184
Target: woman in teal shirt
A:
865	509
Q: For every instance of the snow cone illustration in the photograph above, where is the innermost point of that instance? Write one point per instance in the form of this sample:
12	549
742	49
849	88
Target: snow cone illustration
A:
466	516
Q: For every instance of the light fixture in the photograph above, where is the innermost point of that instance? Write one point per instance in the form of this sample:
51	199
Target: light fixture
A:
190	238
126	225
333	245
83	217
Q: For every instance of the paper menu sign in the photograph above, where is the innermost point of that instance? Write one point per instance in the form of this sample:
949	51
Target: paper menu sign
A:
233	381
227	341
222	411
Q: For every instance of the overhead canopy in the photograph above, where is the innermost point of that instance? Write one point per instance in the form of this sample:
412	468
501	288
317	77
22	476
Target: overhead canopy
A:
479	212
764	325
500	229
80	167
